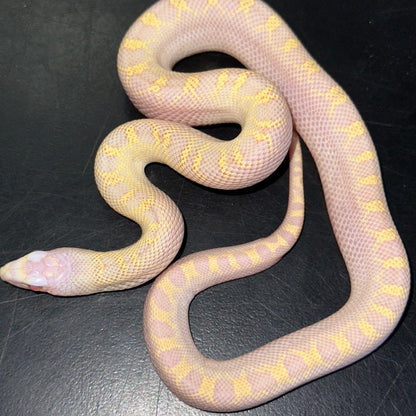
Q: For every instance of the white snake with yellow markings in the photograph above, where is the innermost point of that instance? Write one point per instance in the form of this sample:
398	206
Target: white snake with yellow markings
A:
280	71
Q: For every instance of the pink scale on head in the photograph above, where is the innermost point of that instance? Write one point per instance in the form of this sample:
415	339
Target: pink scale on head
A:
37	271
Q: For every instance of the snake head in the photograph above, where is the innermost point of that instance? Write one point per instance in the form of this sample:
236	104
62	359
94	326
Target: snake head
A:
39	271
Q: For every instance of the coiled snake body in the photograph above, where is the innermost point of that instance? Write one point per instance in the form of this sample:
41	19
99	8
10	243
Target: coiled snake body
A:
335	134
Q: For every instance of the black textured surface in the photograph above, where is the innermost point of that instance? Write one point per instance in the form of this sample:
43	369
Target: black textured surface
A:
60	96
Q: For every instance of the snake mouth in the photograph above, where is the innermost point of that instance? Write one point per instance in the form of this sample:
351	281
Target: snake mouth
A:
23	272
13	275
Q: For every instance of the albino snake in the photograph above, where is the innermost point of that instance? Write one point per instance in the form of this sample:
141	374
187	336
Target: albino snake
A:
336	136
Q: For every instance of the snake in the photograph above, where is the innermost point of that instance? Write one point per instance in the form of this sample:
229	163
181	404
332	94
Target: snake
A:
281	93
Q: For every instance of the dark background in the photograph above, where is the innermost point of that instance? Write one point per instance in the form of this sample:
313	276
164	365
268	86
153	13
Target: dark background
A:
60	96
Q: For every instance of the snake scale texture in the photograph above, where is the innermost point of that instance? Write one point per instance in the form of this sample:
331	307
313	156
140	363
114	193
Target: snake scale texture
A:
282	82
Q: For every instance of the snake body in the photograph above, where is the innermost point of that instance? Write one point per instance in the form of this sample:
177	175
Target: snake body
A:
279	70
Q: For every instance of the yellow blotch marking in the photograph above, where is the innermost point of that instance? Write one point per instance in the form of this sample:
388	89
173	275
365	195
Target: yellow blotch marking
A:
155	129
136	258
298	159
166	344
311	358
395	263
354	130
222	162
394	290
122	263
182	6
296	213
153	228
292	229
213	3
233	262
277	371
221	81
365	156
297	197
135	69
207	388
189	88
185	154
131	134
213	264
181	370
112	178
189	269
337	97
272	23
389	234
290	45
244	7
265	95
260	136
280	242
342	344
148	203
101	266
384	311
127	197
269	124
164	138
160	314
170	290
368	329
198	158
158	85
254	256
310	67
111	151
134	44
151	241
239	159
242	387
297	180
240	81
369	180
374	206
150	19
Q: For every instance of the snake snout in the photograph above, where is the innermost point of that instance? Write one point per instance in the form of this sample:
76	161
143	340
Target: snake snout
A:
14	273
34	271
